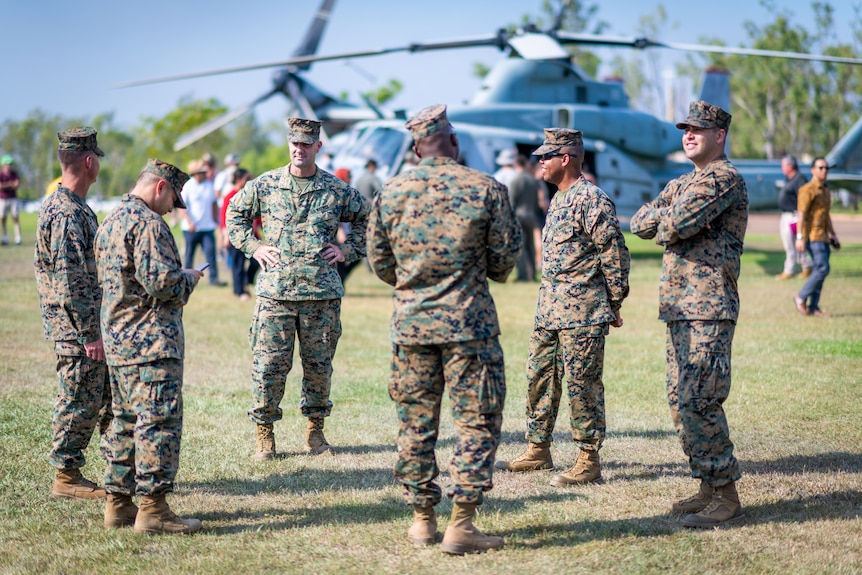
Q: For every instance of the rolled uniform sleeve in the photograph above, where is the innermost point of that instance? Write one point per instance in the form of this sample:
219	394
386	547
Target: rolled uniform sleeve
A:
243	210
708	194
644	224
356	214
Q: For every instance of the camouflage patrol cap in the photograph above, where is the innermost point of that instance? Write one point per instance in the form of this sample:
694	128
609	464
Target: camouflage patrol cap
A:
558	138
79	140
172	175
704	115
303	131
428	121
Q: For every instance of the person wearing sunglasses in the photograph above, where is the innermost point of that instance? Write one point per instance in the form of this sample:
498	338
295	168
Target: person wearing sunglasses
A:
585	278
700	219
814	234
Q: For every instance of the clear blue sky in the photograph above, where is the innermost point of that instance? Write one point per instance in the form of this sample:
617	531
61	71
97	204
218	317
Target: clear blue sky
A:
63	57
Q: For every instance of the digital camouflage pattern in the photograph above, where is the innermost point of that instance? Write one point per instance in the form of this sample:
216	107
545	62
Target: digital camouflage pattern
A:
144	287
704	115
700	218
70	299
476	378
427	121
65	264
300	223
142	445
559	138
303	131
275	325
437	233
698	383
83	403
585	278
585	261
79	140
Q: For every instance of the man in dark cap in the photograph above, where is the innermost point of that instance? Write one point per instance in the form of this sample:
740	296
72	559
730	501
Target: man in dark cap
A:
145	288
437	233
298	290
700	219
70	298
585	278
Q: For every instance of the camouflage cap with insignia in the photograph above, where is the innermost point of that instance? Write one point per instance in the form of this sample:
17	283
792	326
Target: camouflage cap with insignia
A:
303	131
704	115
79	140
172	175
428	121
557	138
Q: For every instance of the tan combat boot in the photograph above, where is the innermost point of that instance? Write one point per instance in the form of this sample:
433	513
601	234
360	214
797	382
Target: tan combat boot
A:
424	528
536	458
120	511
723	507
315	442
265	446
155	517
585	470
74	485
462	536
696	502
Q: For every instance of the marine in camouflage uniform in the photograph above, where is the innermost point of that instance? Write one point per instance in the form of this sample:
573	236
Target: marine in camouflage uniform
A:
144	290
437	233
298	289
585	274
70	298
700	218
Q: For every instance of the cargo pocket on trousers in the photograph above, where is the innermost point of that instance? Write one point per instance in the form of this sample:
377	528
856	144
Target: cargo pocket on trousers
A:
710	383
492	388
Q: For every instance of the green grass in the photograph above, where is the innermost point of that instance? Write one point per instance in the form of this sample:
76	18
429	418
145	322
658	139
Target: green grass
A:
794	417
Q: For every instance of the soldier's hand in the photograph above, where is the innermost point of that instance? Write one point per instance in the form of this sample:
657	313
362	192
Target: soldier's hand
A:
95	350
332	254
197	274
618	322
267	256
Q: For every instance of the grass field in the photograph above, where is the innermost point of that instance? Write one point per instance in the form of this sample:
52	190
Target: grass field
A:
794	414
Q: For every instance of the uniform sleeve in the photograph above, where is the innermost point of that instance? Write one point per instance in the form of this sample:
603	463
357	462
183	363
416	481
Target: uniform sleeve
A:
504	235
612	251
644	223
75	292
354	247
243	210
380	255
703	201
157	268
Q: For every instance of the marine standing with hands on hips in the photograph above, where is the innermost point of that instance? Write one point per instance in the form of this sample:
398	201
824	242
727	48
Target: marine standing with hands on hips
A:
437	233
298	290
144	289
700	219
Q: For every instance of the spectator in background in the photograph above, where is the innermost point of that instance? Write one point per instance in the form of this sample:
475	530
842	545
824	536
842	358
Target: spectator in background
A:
787	200
506	160
368	183
524	198
243	275
224	180
9	204
198	221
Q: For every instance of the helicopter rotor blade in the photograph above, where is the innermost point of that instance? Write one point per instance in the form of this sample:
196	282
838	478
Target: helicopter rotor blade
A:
644	43
216	123
312	38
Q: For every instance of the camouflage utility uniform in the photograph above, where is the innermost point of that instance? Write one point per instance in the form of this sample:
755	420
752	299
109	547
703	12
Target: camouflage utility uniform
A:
300	297
144	291
70	298
700	218
437	233
585	270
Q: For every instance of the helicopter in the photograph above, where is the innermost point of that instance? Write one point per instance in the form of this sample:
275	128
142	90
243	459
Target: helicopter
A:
538	86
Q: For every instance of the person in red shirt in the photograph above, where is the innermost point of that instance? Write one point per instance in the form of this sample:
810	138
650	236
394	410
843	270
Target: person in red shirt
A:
242	275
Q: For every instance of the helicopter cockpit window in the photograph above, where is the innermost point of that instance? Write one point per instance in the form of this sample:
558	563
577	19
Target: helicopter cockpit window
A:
385	145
